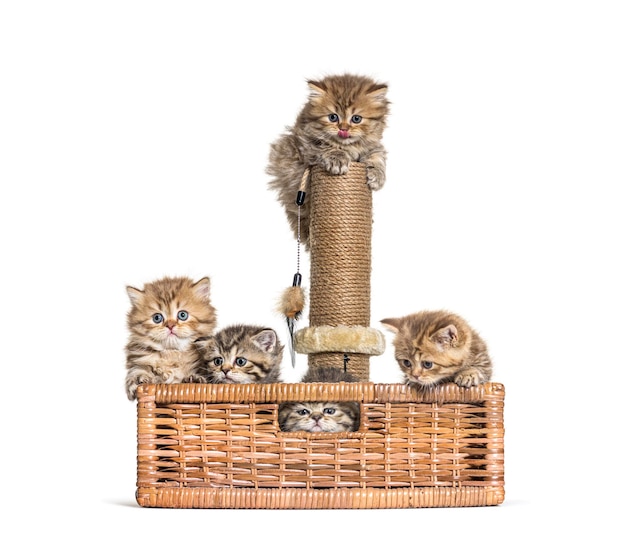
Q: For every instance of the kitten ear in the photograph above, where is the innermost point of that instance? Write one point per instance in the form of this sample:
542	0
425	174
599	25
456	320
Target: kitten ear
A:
202	343
393	325
378	92
265	340
445	337
203	288
318	88
134	294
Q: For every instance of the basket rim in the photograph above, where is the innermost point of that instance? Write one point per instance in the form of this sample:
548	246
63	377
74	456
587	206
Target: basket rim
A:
288	392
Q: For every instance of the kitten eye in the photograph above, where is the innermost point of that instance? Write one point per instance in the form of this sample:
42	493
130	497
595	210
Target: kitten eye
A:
240	361
356	119
406	363
182	315
303	412
427	364
157	318
333	117
329	411
218	361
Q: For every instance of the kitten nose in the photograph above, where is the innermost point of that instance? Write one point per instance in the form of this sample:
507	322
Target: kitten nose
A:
170	324
316	416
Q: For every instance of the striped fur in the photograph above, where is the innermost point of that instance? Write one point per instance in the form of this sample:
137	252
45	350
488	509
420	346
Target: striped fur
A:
433	347
241	354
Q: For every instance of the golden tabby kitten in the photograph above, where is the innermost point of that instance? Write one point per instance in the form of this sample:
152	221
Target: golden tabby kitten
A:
433	347
165	318
342	121
324	416
241	354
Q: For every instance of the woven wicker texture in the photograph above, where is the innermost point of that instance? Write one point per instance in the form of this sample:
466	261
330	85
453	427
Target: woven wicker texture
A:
340	246
219	446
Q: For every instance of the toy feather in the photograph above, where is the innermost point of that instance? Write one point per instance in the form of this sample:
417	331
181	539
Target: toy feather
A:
291	304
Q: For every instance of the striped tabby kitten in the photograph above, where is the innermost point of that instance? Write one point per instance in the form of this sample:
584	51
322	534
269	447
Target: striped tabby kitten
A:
342	121
241	354
433	347
324	416
165	318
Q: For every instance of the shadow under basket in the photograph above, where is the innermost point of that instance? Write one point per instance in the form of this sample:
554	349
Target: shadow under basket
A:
220	447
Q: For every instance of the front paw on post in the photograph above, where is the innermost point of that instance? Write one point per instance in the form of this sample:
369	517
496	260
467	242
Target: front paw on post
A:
375	177
336	162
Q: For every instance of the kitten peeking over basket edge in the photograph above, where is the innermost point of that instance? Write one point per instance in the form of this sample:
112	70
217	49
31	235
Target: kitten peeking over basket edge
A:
241	353
434	347
165	318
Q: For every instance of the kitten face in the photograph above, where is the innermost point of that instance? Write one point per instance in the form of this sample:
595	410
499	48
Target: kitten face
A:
319	417
425	365
431	347
172	312
241	354
346	109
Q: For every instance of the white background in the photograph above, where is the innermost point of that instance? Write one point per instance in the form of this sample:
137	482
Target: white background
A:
133	142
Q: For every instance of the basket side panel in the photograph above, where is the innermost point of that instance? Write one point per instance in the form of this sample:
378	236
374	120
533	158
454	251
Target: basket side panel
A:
447	452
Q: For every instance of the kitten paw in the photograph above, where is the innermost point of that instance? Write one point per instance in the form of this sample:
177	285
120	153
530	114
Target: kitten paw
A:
195	379
469	378
375	177
131	392
133	385
336	162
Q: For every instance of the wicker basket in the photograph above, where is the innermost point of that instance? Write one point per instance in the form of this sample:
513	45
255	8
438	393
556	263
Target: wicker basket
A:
219	446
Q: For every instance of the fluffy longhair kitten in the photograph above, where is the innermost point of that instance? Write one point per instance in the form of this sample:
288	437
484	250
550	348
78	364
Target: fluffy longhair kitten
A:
165	319
241	353
323	416
433	347
342	121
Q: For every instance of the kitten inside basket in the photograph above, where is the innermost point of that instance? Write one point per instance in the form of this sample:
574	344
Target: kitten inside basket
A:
326	416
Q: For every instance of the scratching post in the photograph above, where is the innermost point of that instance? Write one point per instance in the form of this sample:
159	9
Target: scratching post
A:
340	235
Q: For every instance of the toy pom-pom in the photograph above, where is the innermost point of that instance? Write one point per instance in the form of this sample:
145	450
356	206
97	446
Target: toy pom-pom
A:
291	303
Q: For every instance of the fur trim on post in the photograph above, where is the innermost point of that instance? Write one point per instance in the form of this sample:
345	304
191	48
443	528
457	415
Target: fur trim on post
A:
340	339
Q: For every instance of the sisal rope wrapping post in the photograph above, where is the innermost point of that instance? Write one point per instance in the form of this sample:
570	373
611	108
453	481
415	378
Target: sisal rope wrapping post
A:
340	238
